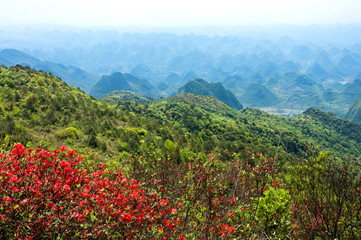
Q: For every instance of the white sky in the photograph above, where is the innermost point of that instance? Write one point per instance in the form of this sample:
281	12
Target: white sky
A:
178	13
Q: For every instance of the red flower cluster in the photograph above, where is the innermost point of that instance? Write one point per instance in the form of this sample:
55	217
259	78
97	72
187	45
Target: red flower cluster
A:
47	193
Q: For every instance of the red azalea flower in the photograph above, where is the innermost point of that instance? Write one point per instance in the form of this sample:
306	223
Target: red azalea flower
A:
14	179
173	211
66	187
126	217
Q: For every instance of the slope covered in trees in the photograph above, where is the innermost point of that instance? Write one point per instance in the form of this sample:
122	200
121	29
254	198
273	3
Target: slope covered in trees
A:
41	110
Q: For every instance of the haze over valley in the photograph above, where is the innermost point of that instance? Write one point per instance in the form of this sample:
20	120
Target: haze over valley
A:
283	75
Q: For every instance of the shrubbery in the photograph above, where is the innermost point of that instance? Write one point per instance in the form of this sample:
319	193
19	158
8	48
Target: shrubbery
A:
55	194
48	194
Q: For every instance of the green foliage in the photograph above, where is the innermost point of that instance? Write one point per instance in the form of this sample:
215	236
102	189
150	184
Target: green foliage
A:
326	194
70	132
170	146
273	212
48	112
207	103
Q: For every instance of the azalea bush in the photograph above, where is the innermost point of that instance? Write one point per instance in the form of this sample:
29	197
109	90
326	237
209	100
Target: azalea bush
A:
48	194
55	194
216	198
326	196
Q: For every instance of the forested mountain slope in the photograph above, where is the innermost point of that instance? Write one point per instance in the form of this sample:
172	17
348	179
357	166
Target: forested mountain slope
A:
41	110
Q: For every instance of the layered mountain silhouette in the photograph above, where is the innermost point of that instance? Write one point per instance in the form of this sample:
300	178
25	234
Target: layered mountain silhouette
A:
70	74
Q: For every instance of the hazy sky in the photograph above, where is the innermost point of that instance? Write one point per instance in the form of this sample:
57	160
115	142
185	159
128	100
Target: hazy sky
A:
179	13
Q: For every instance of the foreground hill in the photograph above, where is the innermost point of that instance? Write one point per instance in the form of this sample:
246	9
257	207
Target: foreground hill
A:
210	125
202	87
43	111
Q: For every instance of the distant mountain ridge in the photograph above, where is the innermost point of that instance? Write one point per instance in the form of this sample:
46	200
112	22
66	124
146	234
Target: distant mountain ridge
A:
70	74
202	87
300	74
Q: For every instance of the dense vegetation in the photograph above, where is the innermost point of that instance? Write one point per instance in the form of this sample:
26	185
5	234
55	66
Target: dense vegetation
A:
41	110
192	166
54	194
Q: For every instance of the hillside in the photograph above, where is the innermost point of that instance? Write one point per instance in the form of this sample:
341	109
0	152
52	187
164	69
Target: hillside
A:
123	81
321	128
207	103
202	87
354	113
41	110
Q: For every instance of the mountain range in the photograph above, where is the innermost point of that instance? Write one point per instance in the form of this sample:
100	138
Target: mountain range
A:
72	75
